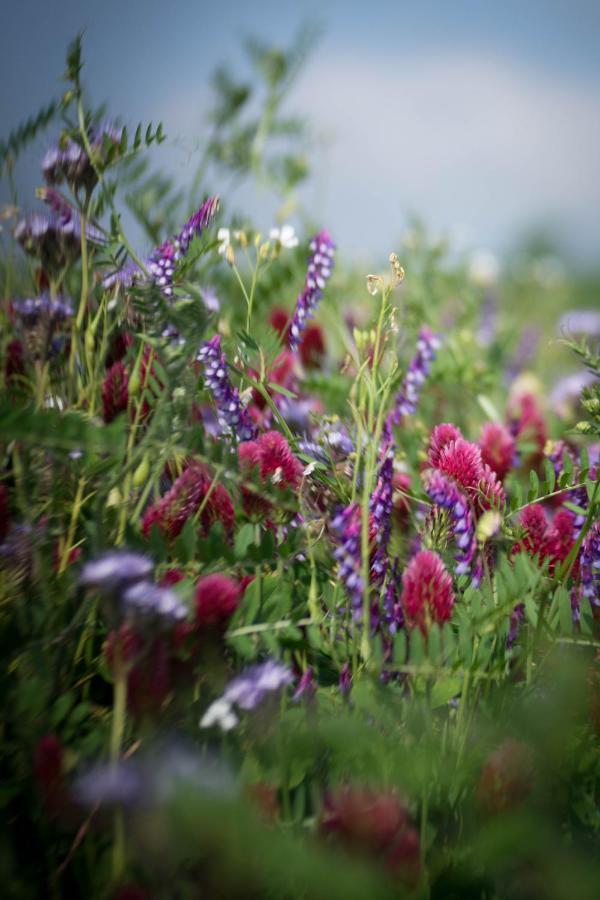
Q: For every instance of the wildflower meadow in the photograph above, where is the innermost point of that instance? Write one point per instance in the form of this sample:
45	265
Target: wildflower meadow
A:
299	562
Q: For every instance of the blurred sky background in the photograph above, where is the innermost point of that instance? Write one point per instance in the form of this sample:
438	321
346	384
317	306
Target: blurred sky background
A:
483	118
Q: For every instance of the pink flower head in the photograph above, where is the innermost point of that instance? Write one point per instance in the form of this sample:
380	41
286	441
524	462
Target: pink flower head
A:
440	436
217	598
272	456
461	460
427	593
497	448
115	392
183	501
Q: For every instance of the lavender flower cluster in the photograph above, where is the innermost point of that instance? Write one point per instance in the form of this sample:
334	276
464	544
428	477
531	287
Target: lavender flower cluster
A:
69	162
44	307
320	264
346	528
418	369
123	579
446	495
247	691
233	418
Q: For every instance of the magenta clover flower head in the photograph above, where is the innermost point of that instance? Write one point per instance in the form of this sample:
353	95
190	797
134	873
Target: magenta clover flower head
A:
320	265
407	399
590	566
246	692
346	528
233	417
146	601
446	495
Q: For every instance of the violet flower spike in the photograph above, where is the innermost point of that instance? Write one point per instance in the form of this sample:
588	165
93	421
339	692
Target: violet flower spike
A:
346	526
233	417
446	495
320	265
380	506
418	369
590	566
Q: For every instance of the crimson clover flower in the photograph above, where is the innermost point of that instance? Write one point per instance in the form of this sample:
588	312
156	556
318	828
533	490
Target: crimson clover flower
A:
320	264
427	594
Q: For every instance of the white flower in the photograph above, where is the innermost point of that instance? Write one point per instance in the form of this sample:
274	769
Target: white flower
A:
285	235
224	238
219	713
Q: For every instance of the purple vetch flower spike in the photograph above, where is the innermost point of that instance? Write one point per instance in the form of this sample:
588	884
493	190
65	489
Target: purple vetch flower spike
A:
418	369
320	265
380	506
393	613
446	495
51	309
346	527
590	567
163	260
233	417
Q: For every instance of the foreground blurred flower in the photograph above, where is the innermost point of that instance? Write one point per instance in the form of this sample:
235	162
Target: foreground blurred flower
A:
406	401
247	691
68	160
233	417
115	392
320	263
49	772
427	593
217	598
506	778
115	570
375	823
192	490
145	602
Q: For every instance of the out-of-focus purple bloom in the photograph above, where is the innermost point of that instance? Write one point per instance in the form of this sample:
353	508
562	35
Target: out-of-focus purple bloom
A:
246	692
525	352
115	570
320	264
112	786
567	390
580	321
311	448
68	161
45	307
516	617
590	566
307	686
418	369
210	299
233	417
346	529
380	506
345	680
445	494
576	606
147	601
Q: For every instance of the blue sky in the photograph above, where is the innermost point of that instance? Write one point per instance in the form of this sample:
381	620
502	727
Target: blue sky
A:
481	117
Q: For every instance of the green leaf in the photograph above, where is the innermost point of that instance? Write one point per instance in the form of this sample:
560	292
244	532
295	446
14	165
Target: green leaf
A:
243	539
56	430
